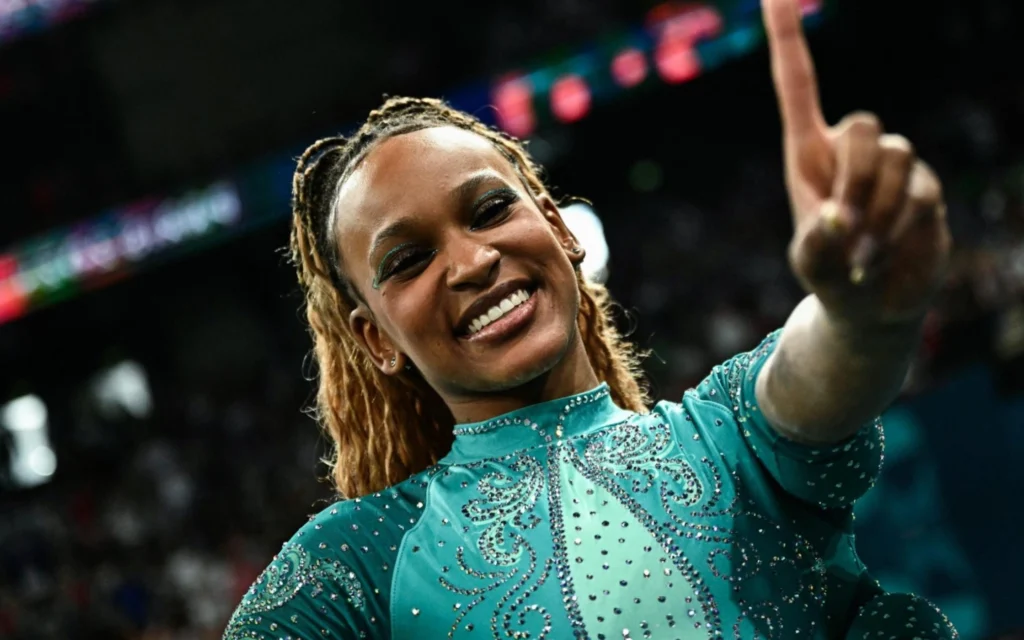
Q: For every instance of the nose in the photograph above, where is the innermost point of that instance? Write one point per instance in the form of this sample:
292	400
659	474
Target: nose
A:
472	264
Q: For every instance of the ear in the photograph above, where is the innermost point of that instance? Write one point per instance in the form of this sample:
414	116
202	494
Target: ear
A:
553	215
374	342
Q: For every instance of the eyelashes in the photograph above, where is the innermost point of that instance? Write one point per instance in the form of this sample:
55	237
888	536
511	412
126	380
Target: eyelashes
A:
494	204
406	259
402	258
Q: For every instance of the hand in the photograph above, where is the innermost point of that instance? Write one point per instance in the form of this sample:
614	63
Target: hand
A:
871	239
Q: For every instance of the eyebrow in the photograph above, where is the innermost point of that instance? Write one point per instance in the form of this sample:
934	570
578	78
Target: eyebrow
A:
463	193
399	227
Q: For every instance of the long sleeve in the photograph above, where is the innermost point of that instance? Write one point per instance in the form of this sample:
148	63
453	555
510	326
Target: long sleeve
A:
333	579
303	593
830	477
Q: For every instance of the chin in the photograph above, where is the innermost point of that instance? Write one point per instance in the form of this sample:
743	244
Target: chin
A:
526	361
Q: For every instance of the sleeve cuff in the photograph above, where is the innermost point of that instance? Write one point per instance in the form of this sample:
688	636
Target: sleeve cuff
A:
832	476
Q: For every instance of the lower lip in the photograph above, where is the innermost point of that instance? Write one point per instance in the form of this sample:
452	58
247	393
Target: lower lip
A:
507	324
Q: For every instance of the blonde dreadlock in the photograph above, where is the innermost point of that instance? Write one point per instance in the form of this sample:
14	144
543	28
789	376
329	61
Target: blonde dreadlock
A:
385	428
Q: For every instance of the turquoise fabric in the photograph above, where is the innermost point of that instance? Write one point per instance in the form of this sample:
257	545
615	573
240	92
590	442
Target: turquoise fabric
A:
577	519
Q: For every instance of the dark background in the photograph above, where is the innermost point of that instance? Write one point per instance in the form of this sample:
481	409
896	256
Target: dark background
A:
157	518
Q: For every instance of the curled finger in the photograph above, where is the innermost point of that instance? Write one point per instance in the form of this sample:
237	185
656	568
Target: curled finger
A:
857	157
923	203
895	162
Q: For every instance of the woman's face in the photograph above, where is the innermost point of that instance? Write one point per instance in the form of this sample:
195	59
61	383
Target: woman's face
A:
438	232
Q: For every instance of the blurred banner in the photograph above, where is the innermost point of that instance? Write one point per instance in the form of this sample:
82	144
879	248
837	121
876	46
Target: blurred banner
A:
52	267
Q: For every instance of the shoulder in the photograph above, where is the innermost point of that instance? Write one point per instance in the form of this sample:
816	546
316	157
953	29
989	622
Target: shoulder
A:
334	573
366	521
694	418
307	574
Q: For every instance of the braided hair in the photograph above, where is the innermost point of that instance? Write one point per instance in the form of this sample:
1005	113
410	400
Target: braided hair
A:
385	428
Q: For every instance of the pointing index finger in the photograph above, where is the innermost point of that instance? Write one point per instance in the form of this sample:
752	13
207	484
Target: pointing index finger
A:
792	68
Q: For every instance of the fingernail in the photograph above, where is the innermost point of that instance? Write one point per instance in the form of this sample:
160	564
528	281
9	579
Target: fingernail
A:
831	215
864	253
857	274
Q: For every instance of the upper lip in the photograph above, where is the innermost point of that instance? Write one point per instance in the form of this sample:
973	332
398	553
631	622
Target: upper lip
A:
487	300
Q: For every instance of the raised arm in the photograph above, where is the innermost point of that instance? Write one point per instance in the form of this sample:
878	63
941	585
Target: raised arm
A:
870	247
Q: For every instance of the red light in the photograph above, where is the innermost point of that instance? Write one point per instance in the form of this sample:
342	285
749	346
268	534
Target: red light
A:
629	67
677	61
698	25
13	301
687	20
809	7
8	266
570	98
514	102
668	10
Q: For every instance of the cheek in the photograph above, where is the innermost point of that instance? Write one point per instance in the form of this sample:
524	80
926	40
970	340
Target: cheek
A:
417	322
411	316
531	235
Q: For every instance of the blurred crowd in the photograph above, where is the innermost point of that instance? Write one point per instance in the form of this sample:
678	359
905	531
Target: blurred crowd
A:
160	527
978	315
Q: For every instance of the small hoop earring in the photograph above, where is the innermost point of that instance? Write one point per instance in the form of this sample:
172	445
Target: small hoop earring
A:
394	360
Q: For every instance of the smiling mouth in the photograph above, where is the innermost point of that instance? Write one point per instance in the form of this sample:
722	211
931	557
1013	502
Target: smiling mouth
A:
504	318
498	311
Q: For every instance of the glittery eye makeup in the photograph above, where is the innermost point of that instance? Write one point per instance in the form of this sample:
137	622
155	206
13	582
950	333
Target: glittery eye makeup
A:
394	259
501	195
492	204
378	277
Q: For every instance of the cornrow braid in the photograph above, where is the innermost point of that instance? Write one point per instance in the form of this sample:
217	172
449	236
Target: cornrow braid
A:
385	428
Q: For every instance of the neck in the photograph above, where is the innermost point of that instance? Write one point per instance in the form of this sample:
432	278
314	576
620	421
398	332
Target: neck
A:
573	374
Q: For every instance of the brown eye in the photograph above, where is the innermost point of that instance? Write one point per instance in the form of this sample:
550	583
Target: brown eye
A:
494	209
405	261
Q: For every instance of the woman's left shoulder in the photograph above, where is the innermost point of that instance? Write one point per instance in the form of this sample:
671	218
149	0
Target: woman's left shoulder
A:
335	570
309	571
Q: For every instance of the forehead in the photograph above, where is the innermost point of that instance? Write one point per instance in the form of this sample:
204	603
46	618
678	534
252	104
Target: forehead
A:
406	172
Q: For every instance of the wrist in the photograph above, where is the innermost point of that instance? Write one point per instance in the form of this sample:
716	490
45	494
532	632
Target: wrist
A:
870	335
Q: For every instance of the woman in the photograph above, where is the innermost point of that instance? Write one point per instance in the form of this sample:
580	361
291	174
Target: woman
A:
513	482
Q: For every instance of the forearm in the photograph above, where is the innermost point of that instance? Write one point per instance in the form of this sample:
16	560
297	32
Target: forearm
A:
826	379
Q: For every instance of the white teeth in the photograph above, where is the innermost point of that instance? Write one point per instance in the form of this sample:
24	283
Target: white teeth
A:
503	307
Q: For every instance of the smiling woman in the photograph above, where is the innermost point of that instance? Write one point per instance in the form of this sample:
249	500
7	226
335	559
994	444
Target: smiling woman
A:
505	476
405	236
